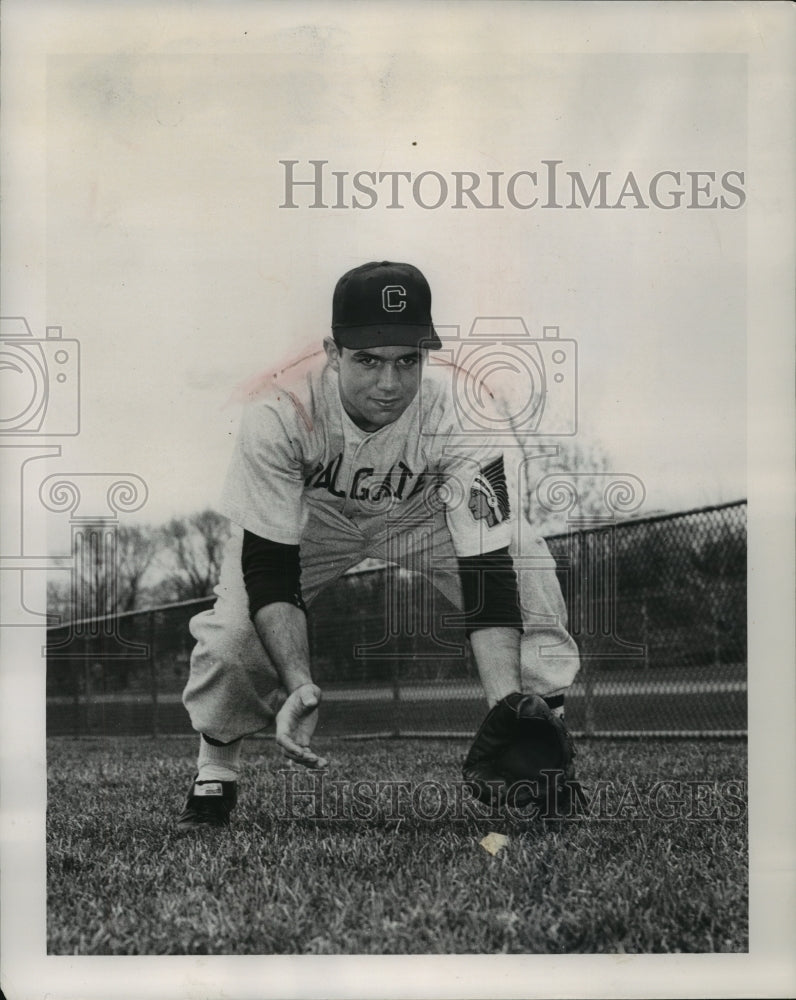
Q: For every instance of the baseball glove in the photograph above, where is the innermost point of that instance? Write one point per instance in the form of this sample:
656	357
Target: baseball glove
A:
521	755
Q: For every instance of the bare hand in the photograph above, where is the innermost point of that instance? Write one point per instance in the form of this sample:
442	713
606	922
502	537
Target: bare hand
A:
295	724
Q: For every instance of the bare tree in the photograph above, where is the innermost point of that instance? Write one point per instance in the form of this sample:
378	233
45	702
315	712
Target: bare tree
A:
193	548
107	571
59	597
137	547
582	463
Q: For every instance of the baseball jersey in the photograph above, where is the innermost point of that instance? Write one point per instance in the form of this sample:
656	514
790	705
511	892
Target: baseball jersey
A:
297	447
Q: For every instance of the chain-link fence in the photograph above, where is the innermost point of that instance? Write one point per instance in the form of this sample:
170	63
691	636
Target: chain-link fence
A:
657	607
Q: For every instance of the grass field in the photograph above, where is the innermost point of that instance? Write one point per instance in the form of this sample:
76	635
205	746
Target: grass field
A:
625	879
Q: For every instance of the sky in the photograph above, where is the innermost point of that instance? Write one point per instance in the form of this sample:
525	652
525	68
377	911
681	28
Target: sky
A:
141	148
168	257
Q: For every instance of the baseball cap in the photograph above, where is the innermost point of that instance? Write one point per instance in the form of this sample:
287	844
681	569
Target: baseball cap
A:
383	304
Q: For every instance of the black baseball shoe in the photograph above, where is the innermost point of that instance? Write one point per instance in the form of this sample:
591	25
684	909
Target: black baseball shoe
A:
208	804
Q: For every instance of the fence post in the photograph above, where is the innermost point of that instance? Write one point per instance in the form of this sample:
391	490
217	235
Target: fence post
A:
88	695
77	704
588	699
396	697
153	674
645	631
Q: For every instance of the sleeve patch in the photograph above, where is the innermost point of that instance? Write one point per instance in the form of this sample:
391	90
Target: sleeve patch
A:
489	494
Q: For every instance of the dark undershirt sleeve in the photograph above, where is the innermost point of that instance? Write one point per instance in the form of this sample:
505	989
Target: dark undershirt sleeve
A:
271	573
489	588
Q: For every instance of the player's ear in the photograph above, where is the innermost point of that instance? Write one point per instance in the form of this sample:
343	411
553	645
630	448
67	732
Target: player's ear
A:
333	353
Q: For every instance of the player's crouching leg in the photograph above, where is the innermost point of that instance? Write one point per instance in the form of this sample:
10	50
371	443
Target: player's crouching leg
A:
214	790
549	663
232	691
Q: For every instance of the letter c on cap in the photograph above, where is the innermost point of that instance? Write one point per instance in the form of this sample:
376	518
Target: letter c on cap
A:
393	298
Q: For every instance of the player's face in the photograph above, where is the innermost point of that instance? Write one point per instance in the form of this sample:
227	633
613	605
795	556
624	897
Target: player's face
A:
376	383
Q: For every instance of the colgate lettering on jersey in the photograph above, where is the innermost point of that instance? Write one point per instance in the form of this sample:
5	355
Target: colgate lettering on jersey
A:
325	477
368	483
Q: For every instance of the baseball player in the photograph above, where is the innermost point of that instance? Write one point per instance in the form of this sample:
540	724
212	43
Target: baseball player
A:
363	456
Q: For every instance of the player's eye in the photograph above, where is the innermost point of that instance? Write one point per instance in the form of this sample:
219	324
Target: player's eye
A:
367	361
408	362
